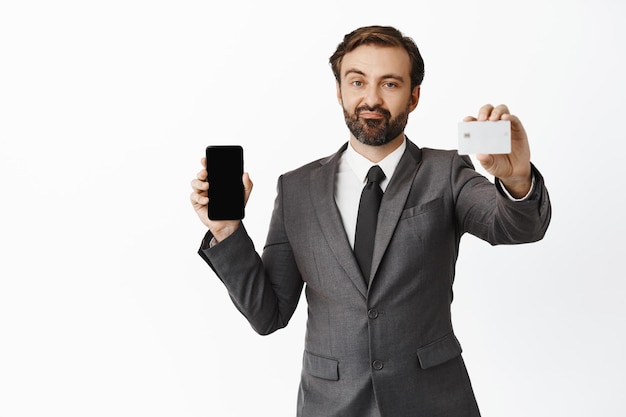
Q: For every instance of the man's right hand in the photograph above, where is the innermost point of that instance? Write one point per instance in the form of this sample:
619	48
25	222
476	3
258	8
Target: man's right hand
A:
220	229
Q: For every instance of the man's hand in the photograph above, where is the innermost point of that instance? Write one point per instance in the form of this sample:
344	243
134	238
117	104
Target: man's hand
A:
513	169
221	229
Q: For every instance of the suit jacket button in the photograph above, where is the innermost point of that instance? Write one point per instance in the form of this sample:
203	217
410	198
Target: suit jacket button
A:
377	365
372	313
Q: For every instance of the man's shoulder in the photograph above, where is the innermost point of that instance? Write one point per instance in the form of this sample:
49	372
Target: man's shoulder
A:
444	156
306	169
430	154
438	153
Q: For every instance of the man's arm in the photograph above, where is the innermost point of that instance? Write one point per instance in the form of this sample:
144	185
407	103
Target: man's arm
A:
265	291
488	213
495	216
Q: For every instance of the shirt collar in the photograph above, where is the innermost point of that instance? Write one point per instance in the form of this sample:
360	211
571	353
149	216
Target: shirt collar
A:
360	164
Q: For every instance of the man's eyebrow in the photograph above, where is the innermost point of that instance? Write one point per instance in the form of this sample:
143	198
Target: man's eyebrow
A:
384	77
353	71
393	77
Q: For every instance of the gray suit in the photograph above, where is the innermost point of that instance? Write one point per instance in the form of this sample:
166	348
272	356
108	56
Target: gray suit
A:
387	349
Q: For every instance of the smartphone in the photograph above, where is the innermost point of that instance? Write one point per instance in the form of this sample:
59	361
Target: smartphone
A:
226	194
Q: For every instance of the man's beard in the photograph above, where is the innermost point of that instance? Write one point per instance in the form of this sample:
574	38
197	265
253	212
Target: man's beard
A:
376	132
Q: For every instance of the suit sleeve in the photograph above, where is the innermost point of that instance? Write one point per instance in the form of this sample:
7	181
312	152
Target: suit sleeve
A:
265	289
484	210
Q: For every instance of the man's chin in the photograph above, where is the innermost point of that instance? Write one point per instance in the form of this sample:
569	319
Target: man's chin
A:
372	141
369	131
372	123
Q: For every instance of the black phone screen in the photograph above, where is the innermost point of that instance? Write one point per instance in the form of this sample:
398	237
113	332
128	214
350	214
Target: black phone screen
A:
226	194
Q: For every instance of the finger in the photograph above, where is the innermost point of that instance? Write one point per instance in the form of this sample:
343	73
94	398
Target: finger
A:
516	124
198	199
498	112
247	186
485	112
469	119
199	185
247	182
201	175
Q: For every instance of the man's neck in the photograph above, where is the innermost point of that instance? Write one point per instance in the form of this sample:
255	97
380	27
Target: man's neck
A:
376	153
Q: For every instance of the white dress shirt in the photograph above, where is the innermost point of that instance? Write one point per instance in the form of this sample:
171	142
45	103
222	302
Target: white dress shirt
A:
351	178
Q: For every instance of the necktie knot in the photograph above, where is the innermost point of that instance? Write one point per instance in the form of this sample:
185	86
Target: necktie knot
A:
375	174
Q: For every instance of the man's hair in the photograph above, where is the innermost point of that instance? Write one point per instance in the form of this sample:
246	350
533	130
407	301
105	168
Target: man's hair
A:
382	36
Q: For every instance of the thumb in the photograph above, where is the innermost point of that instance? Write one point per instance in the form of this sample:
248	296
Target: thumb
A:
247	186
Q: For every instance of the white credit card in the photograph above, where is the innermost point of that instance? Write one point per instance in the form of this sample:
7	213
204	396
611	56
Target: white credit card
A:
485	137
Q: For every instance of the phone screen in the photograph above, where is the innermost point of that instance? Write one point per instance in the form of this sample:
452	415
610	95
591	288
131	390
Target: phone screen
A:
226	194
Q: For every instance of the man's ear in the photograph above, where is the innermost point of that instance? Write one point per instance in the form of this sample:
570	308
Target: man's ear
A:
339	99
415	98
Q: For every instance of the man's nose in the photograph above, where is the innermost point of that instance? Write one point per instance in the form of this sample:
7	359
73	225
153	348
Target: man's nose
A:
372	96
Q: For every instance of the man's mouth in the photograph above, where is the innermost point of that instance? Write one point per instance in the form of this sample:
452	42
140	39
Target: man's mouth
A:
371	115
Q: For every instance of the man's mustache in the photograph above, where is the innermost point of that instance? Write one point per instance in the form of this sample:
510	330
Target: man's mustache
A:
376	109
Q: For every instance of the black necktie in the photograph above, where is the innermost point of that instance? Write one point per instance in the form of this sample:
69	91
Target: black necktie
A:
366	220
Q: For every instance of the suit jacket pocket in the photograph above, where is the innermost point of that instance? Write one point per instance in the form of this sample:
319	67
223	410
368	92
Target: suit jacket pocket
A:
422	208
321	367
439	351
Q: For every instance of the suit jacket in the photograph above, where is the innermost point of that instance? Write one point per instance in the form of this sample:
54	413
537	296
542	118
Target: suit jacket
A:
387	348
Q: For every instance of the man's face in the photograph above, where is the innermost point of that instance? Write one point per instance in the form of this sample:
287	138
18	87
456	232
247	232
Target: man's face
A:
375	93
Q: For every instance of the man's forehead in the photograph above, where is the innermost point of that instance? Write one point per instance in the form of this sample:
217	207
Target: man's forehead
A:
375	59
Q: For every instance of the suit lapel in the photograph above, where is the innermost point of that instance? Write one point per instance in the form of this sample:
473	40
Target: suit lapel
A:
323	196
394	200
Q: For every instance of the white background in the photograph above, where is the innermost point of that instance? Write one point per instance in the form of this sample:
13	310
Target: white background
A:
105	111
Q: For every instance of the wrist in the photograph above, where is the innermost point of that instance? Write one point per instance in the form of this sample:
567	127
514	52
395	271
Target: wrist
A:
223	231
518	188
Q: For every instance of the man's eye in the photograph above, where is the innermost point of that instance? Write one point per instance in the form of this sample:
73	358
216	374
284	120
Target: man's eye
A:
357	83
390	85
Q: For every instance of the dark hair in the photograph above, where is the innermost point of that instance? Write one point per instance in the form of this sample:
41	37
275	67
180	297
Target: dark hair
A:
383	36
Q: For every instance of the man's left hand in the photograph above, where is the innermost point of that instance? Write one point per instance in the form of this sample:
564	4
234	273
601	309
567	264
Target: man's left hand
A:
513	169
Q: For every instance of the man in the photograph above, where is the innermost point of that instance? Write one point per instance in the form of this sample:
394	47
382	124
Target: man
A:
379	338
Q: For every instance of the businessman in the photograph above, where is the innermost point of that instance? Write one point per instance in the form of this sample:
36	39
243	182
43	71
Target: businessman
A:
379	339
